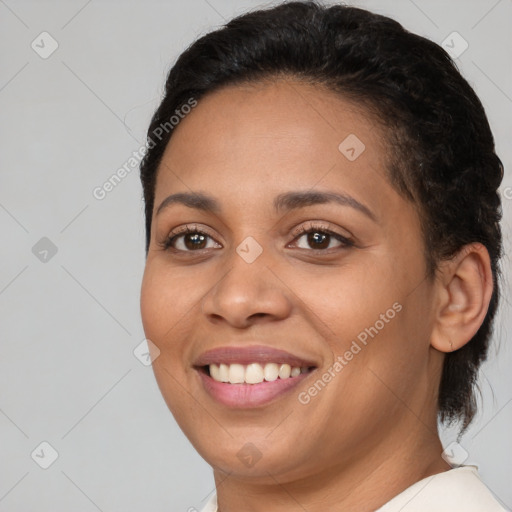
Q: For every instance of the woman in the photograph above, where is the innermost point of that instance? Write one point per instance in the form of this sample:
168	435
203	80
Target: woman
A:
322	248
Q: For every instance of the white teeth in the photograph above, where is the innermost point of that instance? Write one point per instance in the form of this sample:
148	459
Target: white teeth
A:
284	371
253	373
224	372
215	372
236	373
271	372
295	371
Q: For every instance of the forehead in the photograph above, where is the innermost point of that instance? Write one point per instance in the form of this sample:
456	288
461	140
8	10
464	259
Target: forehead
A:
272	135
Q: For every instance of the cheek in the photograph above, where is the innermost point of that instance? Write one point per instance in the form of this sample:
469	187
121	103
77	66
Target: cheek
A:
162	305
347	301
161	311
166	296
170	305
152	301
368	316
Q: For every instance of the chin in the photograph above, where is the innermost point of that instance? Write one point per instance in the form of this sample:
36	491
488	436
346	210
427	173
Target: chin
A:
249	459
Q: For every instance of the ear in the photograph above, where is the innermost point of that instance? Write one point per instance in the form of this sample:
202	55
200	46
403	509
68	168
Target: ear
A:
464	287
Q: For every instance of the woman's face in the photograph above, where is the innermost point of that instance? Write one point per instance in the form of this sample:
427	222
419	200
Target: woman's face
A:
349	303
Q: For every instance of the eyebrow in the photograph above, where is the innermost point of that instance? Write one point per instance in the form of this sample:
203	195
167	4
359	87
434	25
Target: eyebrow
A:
196	200
283	202
293	200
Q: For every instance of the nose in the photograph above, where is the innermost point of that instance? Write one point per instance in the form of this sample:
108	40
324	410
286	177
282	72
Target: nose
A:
248	293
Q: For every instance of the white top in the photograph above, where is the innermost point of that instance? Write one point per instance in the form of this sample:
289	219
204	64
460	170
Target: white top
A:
458	489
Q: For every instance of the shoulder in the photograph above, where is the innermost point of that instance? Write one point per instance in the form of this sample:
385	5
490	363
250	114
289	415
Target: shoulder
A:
457	489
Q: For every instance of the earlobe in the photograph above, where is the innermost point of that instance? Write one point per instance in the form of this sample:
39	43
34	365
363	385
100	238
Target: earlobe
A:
464	290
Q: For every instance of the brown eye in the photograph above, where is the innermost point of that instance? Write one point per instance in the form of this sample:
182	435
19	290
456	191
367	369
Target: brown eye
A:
317	240
320	238
189	239
194	241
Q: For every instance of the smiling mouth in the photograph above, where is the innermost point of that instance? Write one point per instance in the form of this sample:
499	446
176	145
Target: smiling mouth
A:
253	373
249	376
246	386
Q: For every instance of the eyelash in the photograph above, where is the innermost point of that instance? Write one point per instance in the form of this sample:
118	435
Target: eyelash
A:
301	231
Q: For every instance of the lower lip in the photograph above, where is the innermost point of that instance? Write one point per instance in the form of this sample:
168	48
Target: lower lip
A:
249	395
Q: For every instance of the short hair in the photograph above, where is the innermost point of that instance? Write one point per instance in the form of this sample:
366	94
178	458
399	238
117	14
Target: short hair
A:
440	149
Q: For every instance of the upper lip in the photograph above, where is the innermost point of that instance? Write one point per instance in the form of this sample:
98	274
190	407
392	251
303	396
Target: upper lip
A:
250	354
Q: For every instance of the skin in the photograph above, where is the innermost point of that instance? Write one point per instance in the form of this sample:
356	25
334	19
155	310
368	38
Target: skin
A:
371	431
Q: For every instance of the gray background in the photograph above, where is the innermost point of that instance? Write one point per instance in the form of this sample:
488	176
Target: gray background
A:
70	321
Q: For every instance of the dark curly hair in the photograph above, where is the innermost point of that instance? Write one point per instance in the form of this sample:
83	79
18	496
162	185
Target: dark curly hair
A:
441	149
